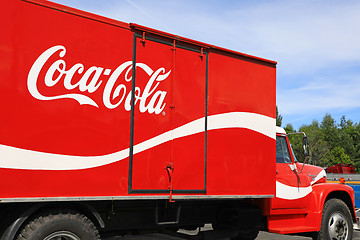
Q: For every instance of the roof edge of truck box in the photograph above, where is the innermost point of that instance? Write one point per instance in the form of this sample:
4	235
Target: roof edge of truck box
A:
80	13
138	27
198	43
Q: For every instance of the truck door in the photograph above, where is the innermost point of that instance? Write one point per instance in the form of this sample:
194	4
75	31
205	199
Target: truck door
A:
189	109
293	188
168	118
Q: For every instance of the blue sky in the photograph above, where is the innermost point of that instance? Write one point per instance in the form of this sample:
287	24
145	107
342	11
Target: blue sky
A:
315	42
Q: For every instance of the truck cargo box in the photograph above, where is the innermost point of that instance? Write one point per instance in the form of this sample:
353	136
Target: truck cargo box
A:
95	108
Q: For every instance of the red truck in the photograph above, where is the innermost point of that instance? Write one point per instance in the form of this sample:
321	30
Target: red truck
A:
341	168
109	127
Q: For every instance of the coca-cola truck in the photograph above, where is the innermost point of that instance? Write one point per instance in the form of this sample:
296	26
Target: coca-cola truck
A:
109	127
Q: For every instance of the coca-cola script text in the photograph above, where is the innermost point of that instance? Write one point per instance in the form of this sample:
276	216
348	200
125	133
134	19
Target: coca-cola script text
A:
115	93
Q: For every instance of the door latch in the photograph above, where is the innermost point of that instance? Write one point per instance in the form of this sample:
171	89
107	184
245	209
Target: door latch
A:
170	170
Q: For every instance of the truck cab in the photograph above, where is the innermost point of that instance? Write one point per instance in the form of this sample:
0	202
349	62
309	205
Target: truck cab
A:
304	201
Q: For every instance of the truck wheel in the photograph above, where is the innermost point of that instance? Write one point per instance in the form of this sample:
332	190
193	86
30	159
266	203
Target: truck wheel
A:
336	221
59	225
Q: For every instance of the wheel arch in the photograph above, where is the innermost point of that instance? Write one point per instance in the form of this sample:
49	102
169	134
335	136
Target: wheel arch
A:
345	197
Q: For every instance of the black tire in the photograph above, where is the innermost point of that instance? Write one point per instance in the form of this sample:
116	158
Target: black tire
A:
59	224
336	222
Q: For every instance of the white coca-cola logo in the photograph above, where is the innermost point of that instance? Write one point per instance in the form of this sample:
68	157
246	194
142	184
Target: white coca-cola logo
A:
115	92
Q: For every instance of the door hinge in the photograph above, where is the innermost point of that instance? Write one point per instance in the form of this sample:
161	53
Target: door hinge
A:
143	39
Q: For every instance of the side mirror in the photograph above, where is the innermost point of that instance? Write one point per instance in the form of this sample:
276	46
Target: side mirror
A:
306	146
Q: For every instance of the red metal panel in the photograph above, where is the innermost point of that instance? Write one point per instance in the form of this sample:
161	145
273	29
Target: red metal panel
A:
292	179
241	84
241	159
287	221
67	79
181	96
189	103
232	153
84	44
152	116
61	126
78	12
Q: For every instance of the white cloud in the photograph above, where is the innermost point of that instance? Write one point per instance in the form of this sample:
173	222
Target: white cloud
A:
324	95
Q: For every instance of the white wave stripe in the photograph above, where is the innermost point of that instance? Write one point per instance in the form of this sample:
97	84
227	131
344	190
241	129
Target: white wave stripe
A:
319	176
284	191
16	158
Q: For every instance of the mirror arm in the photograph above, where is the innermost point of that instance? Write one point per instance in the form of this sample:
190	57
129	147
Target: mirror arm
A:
297	133
303	164
307	151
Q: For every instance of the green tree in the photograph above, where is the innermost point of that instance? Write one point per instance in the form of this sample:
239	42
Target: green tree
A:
330	131
350	140
347	136
289	128
355	135
278	117
338	155
318	147
329	143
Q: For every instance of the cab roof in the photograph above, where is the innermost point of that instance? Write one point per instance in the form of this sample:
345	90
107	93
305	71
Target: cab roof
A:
280	130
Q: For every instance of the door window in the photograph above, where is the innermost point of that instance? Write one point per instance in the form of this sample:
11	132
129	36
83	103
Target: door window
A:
282	150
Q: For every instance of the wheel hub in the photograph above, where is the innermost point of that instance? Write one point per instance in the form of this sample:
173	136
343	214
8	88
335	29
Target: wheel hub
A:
338	227
62	235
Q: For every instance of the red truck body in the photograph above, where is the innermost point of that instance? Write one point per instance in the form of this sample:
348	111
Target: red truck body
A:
70	112
97	111
341	168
